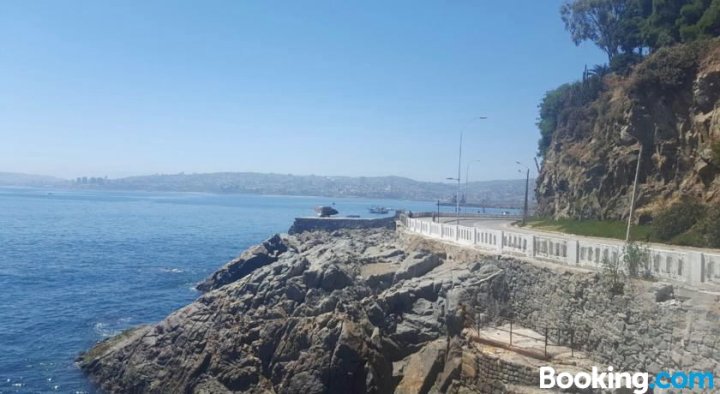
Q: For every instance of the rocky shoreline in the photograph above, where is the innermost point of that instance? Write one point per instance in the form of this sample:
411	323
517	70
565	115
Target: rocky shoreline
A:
375	310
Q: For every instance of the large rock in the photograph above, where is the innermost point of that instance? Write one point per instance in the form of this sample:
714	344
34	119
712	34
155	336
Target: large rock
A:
417	264
422	368
252	259
662	291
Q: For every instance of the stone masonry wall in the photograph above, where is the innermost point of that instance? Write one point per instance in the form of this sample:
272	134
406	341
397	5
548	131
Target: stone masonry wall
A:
331	224
631	331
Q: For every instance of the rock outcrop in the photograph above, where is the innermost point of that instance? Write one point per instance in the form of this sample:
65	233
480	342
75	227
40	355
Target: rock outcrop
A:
295	314
370	311
670	106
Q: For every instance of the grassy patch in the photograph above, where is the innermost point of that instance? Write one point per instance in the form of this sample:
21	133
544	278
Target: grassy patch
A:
689	238
593	228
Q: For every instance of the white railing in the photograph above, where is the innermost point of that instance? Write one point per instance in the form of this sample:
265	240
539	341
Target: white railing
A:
680	264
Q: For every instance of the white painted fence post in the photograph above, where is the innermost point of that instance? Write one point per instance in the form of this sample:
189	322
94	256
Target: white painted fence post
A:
531	246
572	252
695	269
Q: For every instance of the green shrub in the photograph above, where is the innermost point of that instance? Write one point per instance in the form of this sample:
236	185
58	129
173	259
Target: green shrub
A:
709	227
566	106
677	219
637	260
613	276
622	64
668	69
692	237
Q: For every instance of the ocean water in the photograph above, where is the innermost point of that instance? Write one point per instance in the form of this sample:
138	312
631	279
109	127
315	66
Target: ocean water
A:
79	266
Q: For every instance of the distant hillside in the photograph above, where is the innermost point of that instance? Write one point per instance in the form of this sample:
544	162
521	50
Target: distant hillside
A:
15	179
492	193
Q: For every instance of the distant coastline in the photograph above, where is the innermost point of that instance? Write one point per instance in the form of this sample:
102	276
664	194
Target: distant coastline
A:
490	194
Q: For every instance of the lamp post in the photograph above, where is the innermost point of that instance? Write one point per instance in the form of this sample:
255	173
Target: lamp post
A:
527	186
632	198
459	172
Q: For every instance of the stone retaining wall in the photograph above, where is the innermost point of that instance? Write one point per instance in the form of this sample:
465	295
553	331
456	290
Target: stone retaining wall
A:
331	224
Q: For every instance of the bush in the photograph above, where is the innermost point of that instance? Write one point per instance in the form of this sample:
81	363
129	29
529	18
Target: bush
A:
668	69
613	278
565	105
709	227
677	219
692	237
623	63
637	260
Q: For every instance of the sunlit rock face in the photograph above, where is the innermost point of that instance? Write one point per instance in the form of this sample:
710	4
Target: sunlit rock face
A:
589	167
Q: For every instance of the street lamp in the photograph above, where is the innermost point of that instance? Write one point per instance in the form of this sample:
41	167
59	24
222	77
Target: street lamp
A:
527	186
632	198
459	174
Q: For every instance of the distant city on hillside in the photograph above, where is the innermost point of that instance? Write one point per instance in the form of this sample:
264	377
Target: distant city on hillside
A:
499	193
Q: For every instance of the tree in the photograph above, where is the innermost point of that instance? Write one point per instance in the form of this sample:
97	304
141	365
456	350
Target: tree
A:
709	23
690	14
613	25
660	28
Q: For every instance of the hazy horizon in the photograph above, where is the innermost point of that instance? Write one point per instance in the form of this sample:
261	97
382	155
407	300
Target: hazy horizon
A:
360	89
2	172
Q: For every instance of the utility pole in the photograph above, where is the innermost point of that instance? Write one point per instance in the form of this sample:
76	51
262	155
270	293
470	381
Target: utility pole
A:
527	187
632	198
525	207
459	175
438	209
457	198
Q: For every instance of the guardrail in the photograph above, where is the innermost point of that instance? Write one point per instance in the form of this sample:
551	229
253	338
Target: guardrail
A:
680	264
465	215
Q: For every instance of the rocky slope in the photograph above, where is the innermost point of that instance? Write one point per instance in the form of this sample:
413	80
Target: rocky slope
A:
670	106
372	311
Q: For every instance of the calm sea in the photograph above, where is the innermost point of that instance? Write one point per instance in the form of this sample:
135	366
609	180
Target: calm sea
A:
78	266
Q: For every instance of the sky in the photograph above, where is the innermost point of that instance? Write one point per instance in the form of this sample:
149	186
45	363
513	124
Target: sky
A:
359	88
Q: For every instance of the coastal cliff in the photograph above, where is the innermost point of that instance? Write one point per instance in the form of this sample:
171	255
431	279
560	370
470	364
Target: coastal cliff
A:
668	105
374	310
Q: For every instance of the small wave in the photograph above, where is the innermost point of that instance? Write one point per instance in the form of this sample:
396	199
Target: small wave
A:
173	270
106	330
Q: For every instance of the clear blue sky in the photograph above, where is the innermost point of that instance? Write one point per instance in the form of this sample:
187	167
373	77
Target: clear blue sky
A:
368	88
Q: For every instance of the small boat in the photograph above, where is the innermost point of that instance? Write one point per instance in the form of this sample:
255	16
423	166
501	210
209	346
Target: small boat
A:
324	211
378	210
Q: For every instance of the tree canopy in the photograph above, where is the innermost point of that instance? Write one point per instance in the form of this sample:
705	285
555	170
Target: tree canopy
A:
627	30
632	26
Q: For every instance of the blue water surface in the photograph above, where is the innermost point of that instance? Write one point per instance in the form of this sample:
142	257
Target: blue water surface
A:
78	266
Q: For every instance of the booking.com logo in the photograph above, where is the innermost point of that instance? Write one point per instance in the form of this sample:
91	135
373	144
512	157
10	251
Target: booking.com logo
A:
641	382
